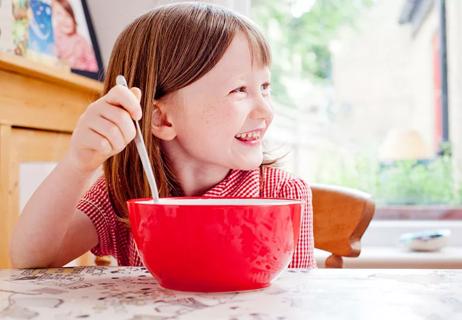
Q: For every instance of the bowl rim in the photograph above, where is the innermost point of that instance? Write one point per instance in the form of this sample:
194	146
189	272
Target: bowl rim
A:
148	202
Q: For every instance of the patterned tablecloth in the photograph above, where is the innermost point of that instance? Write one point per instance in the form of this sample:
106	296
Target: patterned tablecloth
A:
132	293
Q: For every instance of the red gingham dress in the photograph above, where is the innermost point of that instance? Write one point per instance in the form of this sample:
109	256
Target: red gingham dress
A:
115	238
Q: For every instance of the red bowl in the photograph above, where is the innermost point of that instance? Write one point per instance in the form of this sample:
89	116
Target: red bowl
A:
215	244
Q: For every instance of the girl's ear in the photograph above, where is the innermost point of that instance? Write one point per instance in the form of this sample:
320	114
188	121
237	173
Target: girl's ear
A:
161	126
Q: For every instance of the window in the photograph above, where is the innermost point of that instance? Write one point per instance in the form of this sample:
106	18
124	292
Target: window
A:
360	89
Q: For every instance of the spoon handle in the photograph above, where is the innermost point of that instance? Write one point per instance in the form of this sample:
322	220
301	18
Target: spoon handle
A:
142	152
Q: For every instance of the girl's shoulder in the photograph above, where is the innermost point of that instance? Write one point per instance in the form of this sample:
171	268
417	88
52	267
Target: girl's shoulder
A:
282	184
267	182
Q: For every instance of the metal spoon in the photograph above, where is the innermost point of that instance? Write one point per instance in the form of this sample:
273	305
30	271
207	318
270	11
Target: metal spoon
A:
142	152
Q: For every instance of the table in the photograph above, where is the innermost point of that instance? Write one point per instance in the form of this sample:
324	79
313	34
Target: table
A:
132	293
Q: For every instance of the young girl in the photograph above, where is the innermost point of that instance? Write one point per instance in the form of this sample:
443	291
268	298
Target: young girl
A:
199	75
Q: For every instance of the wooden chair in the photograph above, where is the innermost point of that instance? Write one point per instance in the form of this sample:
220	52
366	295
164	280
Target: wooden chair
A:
103	261
341	216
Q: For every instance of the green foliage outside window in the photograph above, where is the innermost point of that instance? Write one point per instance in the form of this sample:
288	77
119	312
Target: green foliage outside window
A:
300	45
401	182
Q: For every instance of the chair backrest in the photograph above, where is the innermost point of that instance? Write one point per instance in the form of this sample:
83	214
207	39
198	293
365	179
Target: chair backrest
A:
341	216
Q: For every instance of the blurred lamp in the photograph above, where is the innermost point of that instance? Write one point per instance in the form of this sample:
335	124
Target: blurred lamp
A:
404	144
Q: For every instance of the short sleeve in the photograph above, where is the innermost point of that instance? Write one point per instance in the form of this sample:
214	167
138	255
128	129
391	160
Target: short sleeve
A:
303	257
97	206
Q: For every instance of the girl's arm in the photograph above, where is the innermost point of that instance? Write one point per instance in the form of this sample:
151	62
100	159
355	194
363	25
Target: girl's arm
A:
50	231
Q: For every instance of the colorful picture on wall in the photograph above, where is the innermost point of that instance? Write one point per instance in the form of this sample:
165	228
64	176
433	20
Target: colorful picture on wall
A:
41	39
20	26
75	39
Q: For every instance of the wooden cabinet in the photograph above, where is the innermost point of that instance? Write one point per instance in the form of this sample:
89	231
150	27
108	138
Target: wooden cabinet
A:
39	107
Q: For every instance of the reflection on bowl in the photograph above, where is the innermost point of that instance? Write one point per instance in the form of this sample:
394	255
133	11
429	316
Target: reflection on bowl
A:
215	244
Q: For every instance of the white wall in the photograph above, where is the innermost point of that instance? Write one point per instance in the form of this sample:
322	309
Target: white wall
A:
110	19
385	74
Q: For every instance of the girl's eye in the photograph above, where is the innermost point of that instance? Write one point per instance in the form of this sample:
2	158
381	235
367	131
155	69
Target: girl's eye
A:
239	90
266	88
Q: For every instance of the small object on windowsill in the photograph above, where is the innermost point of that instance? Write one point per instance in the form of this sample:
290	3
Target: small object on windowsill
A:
426	241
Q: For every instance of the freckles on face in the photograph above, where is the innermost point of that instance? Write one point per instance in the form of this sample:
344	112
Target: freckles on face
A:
210	97
218	115
220	118
206	121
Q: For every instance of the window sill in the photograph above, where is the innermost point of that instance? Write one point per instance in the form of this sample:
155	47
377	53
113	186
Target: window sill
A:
386	233
399	258
418	212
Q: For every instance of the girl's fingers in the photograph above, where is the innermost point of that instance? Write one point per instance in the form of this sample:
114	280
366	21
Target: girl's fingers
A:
122	96
121	119
96	142
107	126
110	131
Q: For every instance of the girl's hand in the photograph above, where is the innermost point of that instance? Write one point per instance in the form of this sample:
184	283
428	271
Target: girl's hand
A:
105	128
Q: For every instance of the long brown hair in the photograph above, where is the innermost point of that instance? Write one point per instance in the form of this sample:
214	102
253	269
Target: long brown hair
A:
161	52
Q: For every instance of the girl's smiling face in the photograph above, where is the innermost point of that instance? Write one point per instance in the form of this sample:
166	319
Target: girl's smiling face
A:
219	120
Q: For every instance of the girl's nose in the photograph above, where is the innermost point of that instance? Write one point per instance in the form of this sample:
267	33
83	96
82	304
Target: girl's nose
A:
262	108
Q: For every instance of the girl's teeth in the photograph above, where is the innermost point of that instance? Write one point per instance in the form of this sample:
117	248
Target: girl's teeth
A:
248	136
